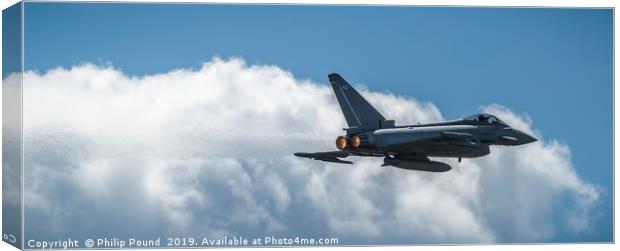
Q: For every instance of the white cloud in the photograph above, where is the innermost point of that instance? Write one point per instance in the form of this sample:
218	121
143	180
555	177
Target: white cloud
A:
209	151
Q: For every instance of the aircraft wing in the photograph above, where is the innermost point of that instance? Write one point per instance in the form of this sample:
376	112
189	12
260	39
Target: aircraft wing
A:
333	156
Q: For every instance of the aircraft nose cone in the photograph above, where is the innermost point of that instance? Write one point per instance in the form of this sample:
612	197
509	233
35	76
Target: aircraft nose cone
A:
524	138
527	138
514	137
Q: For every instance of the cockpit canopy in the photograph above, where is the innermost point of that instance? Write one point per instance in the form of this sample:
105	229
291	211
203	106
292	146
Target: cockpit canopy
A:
485	118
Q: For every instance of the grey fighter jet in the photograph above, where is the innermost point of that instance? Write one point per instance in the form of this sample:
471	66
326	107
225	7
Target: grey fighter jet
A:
410	146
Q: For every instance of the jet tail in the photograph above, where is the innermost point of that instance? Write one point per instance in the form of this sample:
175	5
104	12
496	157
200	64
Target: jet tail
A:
358	113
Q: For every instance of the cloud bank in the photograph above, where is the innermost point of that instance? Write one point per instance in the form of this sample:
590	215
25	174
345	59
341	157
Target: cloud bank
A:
208	152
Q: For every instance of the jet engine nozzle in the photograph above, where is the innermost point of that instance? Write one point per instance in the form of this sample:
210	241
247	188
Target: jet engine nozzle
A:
341	142
356	141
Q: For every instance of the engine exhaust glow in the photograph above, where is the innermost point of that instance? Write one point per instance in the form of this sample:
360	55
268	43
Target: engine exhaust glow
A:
341	142
355	141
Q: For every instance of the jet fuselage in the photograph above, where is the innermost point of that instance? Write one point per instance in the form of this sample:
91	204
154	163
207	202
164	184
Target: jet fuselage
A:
370	135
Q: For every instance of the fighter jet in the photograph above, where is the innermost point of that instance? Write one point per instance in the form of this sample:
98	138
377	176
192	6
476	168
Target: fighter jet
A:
369	134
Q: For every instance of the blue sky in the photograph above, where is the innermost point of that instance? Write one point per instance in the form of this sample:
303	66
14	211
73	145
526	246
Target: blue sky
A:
553	64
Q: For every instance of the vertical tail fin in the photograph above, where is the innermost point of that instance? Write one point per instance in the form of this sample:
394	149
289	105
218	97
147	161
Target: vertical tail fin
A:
357	111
